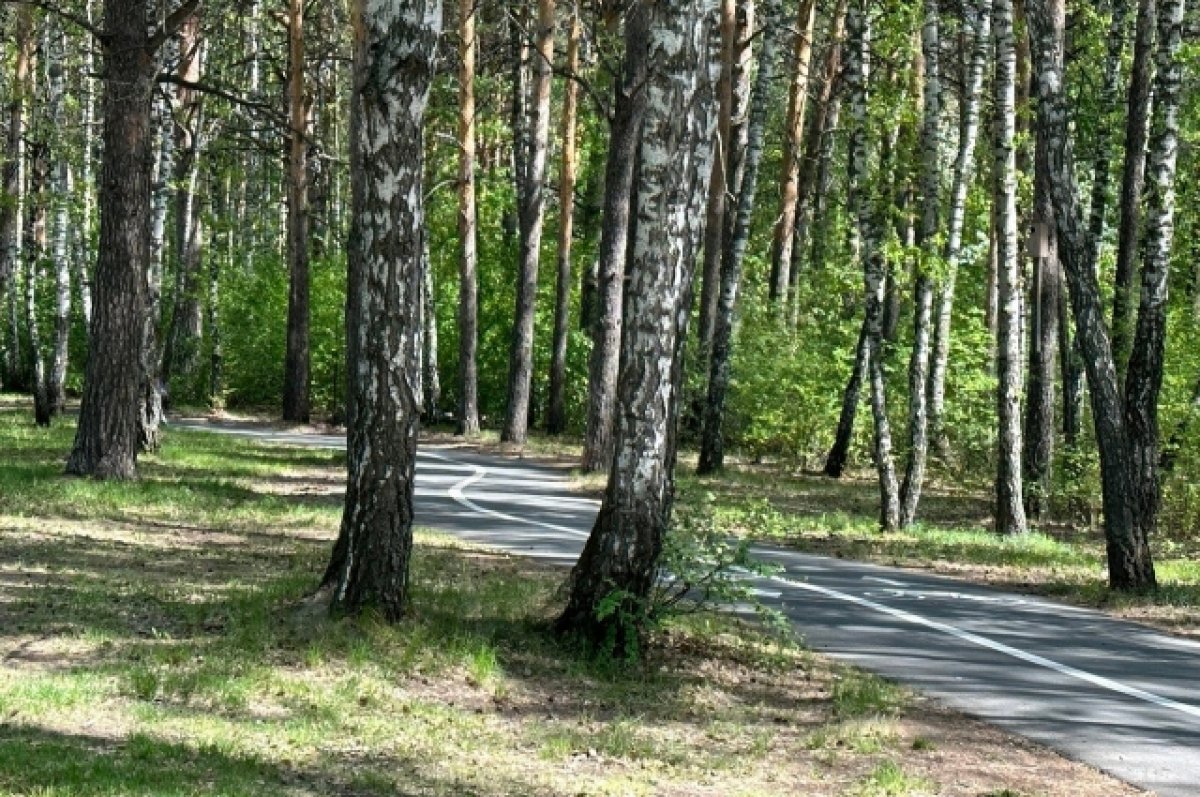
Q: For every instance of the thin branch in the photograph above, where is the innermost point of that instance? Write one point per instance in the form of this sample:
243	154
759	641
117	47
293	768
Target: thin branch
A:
173	23
68	16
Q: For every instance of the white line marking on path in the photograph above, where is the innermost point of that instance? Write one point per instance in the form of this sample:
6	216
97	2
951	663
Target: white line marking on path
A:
1000	647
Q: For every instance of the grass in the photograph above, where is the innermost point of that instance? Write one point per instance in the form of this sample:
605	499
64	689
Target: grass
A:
159	638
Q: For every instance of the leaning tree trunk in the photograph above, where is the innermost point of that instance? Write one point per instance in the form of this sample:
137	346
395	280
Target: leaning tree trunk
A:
556	418
297	358
394	49
620	560
532	201
106	441
625	134
789	193
927	230
839	454
1144	383
467	421
858	37
977	20
1133	179
1130	566
1010	504
712	442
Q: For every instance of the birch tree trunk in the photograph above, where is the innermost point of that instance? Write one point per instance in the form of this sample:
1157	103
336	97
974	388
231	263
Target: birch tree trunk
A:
629	109
927	230
1133	179
977	18
60	201
394	50
858	38
556	418
712	444
789	193
1010	504
151	413
296	369
467	421
620	560
1130	566
1143	385
33	257
839	454
532	202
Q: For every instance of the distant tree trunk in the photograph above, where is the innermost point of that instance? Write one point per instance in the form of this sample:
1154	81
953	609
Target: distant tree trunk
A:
296	370
182	353
977	35
839	454
431	382
12	209
556	419
927	231
1010	505
60	193
151	413
823	123
858	38
85	246
712	444
518	20
106	440
467	421
1137	119
629	108
532	216
1144	383
34	258
789	192
819	217
1130	566
622	554
394	51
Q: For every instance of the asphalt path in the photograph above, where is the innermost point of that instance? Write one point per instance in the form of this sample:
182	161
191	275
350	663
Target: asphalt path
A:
1116	695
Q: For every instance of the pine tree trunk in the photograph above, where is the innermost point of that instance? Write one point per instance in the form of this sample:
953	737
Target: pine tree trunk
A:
1010	504
1133	179
1144	383
151	413
621	557
297	360
394	51
12	210
556	418
858	38
532	201
467	422
927	231
712	444
106	441
789	192
1130	566
629	110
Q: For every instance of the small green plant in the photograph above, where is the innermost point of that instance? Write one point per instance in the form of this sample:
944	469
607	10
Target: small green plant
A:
889	780
860	694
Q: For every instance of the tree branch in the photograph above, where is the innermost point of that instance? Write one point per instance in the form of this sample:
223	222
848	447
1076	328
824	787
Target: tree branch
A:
68	16
174	22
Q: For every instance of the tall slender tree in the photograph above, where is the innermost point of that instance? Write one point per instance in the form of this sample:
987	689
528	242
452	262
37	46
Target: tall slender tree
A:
467	421
394	50
296	369
12	209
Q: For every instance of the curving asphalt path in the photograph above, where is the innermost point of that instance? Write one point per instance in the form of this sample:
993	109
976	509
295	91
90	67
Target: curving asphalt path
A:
1116	695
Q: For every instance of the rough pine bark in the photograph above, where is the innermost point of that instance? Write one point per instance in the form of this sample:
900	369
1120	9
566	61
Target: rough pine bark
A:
712	442
297	358
394	50
556	417
1143	384
625	134
467	421
927	230
106	440
620	560
977	18
532	201
1130	566
1133	181
789	192
1010	504
858	38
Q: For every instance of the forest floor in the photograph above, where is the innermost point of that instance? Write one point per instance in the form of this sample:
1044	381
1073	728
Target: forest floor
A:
810	512
158	638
